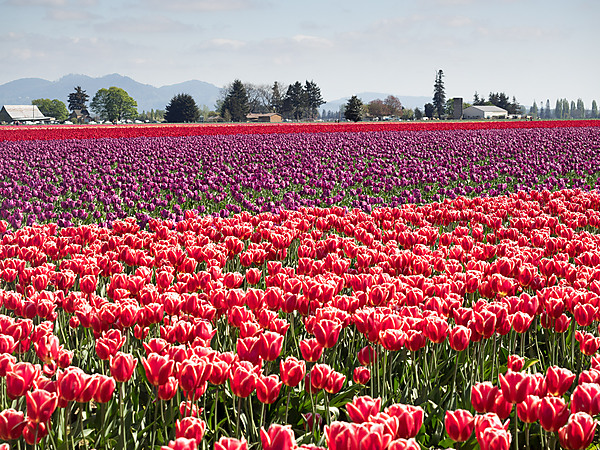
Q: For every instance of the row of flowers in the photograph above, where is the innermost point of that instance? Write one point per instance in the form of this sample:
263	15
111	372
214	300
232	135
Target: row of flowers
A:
11	133
406	321
73	182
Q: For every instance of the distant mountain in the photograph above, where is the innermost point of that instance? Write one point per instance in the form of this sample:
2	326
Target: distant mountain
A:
24	90
407	101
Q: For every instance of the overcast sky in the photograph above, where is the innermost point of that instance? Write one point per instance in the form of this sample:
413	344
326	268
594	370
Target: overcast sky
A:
532	49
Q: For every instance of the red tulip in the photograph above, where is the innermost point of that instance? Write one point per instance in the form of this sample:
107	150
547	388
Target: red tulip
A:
558	380
360	408
278	437
71	382
327	332
12	423
361	375
319	376
271	345
267	389
562	323
410	419
459	424
579	431
515	386
483	396
20	379
311	421
586	398
494	439
459	338
584	314
158	368
404	444
553	413
189	408
242	380
488	421
502	407
226	443
528	409
335	382
292	371
181	444
90	387
219	372
253	276
436	330
521	322
341	436
367	356
106	387
311	350
167	390
588	343
515	363
193	372
190	428
109	344
34	432
40	405
122	366
415	340
88	283
392	339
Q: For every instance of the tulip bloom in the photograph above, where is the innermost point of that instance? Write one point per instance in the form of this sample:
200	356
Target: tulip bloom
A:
553	413
361	375
122	366
190	428
588	343
71	382
226	443
106	388
20	379
515	386
158	368
360	408
459	338
242	380
459	424
181	444
278	437
515	363
292	371
367	356
271	345
558	380
335	382
327	332
12	423
319	376
40	405
528	409
578	433
586	398
341	436
483	396
410	419
267	389
311	350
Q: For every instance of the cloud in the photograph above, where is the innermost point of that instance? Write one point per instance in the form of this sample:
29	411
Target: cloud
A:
222	44
143	25
312	41
64	15
49	3
202	5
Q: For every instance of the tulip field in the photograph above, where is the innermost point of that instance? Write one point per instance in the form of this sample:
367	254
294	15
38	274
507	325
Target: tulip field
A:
314	286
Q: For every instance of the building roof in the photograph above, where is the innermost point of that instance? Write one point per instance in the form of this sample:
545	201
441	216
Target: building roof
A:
24	112
257	115
491	108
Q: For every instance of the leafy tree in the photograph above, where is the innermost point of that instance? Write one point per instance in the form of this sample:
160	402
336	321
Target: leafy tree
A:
429	110
182	108
558	112
377	108
114	104
439	95
594	113
259	97
418	114
235	105
394	105
354	109
52	108
573	109
580	109
78	99
565	108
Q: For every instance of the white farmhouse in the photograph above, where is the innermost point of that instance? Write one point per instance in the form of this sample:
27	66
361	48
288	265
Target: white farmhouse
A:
485	112
22	113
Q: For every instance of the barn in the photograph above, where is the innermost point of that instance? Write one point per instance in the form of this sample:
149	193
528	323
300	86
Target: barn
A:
267	117
484	112
22	113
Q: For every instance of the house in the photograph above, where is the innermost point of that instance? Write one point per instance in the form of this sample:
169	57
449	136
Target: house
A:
266	117
80	116
484	112
22	113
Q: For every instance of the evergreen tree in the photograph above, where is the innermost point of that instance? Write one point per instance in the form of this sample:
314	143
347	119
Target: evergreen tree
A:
276	99
534	110
573	110
235	105
418	114
439	95
565	108
312	98
429	110
182	108
558	112
594	113
78	99
548	110
477	101
294	101
580	109
353	110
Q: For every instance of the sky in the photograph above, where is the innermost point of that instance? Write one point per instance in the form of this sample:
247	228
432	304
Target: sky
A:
530	49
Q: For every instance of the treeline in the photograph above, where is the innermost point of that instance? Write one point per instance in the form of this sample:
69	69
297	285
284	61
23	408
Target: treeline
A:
563	109
296	101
